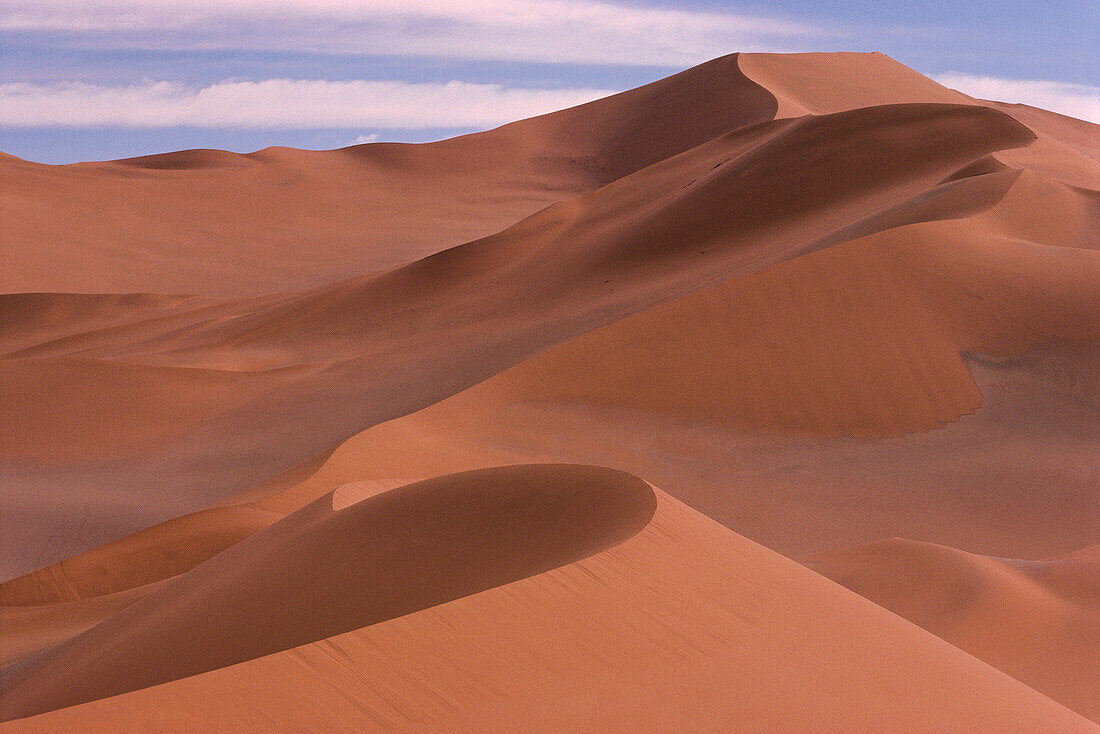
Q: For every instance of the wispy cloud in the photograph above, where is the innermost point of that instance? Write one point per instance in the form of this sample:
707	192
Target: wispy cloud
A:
579	31
1076	100
279	103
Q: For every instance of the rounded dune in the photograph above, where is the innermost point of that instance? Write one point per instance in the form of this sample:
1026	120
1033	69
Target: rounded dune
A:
681	625
322	572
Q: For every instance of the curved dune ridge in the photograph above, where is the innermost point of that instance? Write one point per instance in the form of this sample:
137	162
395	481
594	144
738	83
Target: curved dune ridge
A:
391	467
870	345
365	208
321	572
1066	149
371	349
680	624
29	629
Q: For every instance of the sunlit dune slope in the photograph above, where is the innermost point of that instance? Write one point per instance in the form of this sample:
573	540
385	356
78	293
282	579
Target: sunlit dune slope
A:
680	624
1039	621
219	223
374	348
817	84
368	439
326	570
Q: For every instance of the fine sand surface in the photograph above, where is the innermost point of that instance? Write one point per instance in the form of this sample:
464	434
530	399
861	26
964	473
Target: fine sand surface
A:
370	439
1036	620
676	622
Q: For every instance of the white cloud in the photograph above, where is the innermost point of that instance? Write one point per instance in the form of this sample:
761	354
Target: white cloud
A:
365	139
582	31
1076	100
280	103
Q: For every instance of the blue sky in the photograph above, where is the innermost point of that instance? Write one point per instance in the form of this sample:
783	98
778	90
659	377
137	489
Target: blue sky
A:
99	79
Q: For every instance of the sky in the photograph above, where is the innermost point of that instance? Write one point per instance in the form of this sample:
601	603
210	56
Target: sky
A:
104	79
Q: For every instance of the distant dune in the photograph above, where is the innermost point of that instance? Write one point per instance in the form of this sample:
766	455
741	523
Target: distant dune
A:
370	439
1037	620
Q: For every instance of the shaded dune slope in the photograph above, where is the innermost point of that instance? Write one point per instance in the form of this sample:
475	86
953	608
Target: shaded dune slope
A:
705	215
149	555
1039	621
28	629
1066	149
863	338
34	318
374	348
682	624
323	571
220	223
821	299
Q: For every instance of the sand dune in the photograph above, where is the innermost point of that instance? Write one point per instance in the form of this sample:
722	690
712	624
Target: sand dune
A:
218	223
683	624
870	346
157	553
390	465
374	348
31	628
322	571
823	83
1066	149
1039	621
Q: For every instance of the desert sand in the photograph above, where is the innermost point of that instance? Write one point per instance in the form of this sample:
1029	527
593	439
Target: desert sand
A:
761	398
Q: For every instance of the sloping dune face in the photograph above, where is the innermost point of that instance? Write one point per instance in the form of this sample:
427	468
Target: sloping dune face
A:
682	624
388	464
323	571
1037	620
347	356
218	223
823	83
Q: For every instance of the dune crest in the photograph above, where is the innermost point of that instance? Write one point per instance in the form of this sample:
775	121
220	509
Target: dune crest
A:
684	624
227	224
373	348
323	571
369	439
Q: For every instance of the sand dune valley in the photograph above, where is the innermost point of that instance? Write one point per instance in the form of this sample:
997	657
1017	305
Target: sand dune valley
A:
762	398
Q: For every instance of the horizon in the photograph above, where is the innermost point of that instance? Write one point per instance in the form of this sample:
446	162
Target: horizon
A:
102	81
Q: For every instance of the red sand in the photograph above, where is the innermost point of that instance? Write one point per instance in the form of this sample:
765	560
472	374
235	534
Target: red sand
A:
818	298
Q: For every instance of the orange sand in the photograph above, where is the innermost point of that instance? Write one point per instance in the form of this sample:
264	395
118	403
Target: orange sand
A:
367	439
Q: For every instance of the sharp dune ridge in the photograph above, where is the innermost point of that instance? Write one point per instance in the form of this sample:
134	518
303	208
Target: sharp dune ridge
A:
666	594
760	397
384	557
373	348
